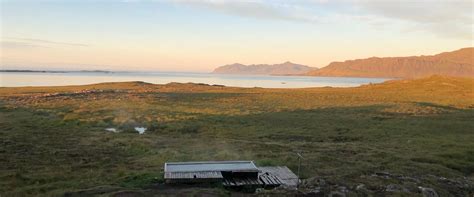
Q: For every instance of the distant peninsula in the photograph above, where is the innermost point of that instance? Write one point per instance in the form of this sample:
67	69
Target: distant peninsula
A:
52	71
287	68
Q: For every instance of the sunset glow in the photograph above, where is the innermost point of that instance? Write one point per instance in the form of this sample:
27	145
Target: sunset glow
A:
199	35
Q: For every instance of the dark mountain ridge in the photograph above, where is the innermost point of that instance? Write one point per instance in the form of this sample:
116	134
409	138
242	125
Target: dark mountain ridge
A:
457	63
287	68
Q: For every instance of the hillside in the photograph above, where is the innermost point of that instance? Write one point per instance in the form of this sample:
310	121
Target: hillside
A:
286	68
456	63
389	139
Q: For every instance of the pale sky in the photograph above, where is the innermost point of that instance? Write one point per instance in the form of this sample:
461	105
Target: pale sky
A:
199	35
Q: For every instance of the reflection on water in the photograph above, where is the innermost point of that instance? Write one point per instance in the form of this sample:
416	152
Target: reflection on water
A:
113	130
77	78
141	130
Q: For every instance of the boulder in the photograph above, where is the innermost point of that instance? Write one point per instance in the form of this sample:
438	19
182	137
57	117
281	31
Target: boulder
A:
428	192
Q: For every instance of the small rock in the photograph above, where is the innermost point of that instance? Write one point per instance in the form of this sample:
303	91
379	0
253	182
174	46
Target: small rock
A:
396	188
428	192
320	182
384	175
316	192
342	189
360	187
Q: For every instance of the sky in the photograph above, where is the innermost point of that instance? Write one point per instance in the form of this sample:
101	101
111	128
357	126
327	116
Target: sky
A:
200	35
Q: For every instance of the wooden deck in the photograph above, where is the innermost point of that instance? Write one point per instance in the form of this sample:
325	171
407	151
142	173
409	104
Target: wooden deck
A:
263	180
285	175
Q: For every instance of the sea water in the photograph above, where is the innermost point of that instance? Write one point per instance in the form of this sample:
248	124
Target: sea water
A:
18	79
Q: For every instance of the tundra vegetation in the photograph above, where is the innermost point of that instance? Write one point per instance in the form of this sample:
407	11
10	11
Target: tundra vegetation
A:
395	138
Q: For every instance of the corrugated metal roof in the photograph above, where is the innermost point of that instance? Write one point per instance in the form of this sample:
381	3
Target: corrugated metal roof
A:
193	175
208	166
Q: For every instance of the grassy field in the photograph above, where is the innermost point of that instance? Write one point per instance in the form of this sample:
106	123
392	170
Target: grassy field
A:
399	134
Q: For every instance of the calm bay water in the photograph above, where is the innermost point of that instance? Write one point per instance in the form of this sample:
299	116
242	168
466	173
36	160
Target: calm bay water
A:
18	79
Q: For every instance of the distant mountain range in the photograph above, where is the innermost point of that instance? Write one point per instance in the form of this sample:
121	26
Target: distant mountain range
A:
459	63
286	68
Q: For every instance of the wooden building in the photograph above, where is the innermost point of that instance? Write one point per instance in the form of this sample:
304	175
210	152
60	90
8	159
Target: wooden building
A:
231	174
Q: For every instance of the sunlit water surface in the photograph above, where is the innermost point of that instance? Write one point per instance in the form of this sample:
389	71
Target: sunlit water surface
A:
18	79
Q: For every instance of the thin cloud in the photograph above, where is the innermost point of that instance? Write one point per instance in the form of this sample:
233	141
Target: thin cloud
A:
445	18
452	18
39	42
255	9
17	45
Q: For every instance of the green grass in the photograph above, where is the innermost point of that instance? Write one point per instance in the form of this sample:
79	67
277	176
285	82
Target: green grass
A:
52	146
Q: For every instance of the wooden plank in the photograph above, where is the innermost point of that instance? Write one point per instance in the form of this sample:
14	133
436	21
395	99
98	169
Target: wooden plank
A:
193	175
284	174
